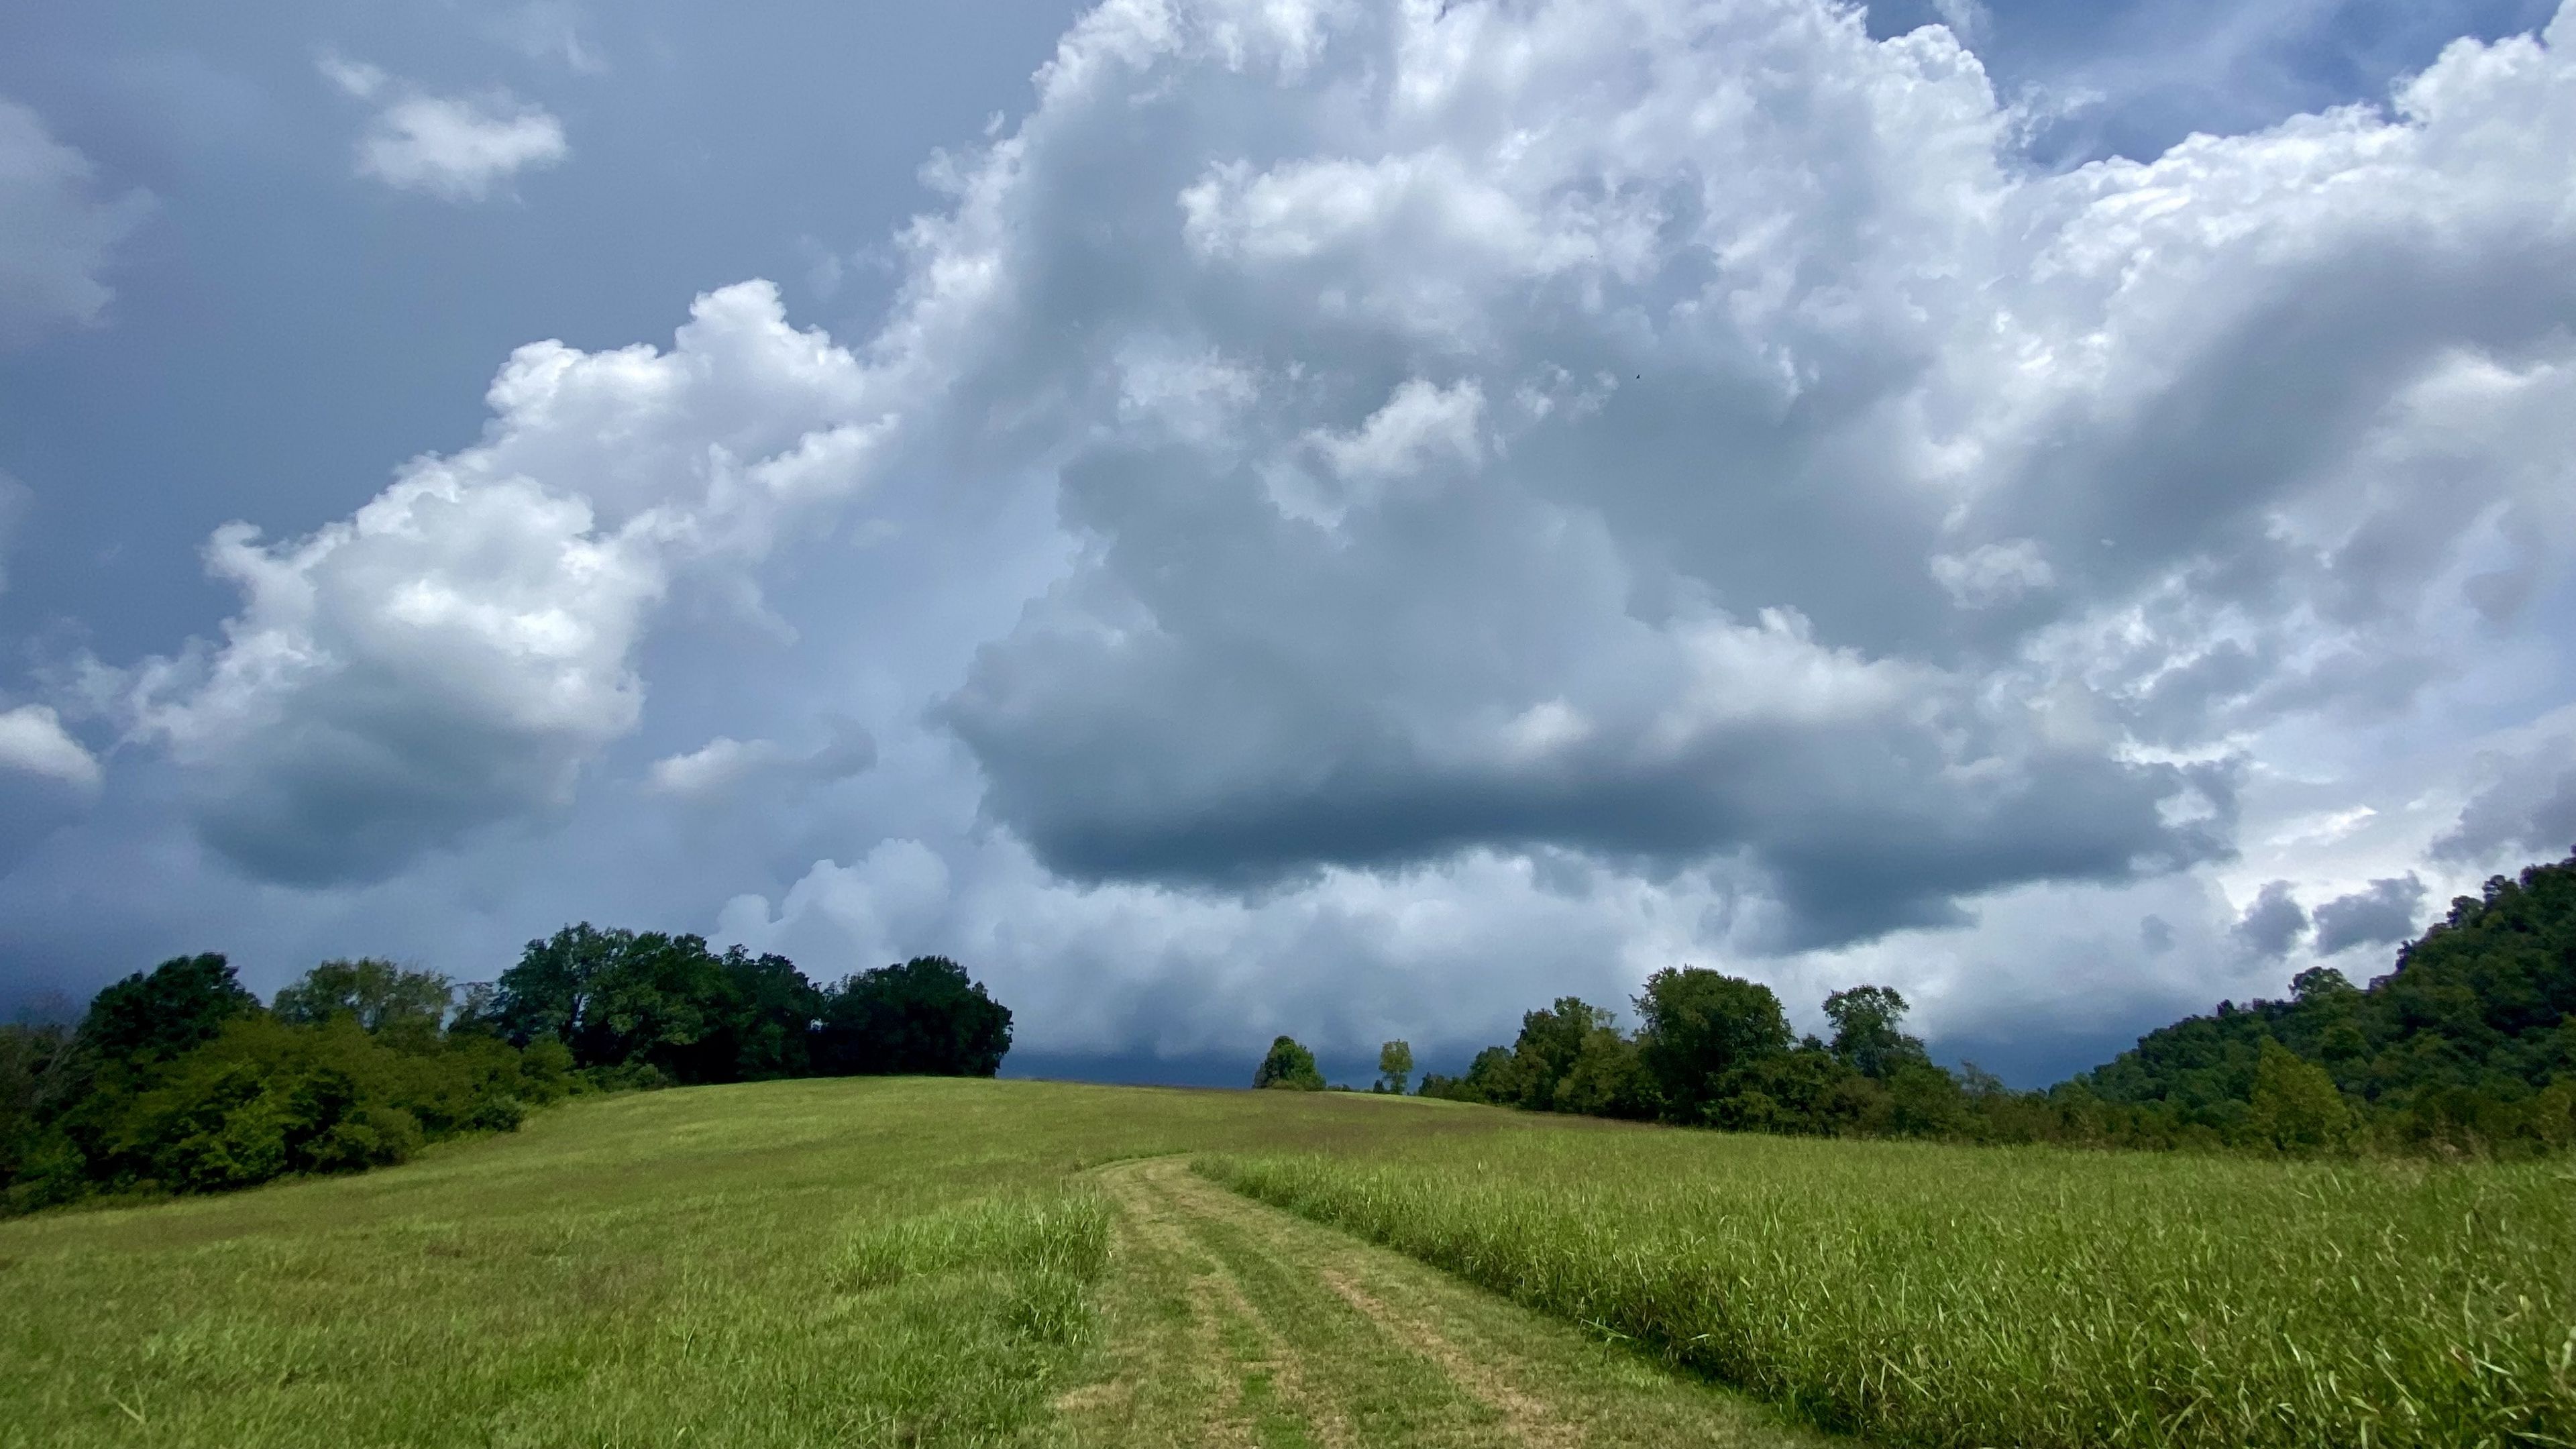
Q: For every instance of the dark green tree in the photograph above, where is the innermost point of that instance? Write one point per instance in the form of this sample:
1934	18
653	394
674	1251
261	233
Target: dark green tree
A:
2296	1107
634	1001
766	1024
1549	1043
1606	1079
1869	1034
1805	1091
551	993
1697	1026
154	1016
922	1017
1288	1066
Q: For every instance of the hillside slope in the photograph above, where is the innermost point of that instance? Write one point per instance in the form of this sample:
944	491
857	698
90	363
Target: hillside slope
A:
869	1261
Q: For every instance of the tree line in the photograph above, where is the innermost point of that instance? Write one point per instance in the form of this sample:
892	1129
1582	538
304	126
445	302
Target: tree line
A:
2466	1047
180	1080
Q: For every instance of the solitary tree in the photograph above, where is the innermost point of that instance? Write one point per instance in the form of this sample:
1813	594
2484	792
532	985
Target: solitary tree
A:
1395	1067
1290	1066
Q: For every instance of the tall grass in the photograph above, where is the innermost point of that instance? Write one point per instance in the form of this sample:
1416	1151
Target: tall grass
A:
1930	1295
1001	1285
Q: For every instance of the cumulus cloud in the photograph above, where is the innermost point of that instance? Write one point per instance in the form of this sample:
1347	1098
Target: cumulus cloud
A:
1537	492
454	653
2273	924
2383	913
34	742
456	148
724	765
1896	519
58	232
2526	804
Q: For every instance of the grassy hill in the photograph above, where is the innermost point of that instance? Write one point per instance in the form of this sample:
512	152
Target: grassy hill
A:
898	1261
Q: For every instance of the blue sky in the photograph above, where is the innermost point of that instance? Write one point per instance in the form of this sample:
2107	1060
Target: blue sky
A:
2082	530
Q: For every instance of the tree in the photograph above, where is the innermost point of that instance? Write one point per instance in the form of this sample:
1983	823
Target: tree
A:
1804	1091
180	1004
378	994
1606	1079
549	993
1868	1034
34	1075
767	1024
922	1017
1549	1043
2296	1107
617	998
1486	1080
1288	1066
1698	1025
1395	1067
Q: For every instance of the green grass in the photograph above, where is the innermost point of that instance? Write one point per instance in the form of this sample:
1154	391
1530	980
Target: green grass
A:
792	1263
1932	1295
898	1262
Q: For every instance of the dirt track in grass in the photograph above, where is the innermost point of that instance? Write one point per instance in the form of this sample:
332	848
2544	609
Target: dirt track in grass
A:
1231	1323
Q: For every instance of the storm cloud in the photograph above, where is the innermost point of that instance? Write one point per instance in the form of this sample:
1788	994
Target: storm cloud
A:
1360	518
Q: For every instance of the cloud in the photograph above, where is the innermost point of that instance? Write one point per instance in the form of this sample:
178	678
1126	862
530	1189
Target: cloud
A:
2273	924
34	742
1868	501
454	653
2379	915
548	30
1992	573
15	498
723	766
57	233
1380	515
456	148
2526	805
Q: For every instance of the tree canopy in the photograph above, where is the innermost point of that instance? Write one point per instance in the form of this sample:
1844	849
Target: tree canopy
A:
2467	1046
922	1017
179	1080
1289	1066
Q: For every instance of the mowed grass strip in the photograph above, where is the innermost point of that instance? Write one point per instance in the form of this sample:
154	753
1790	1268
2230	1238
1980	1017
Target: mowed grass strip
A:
843	1262
1927	1295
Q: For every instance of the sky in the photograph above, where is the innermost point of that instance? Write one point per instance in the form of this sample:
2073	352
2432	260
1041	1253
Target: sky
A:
1352	518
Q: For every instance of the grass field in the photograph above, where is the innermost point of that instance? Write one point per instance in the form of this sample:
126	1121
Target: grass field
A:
870	1262
1931	1295
882	1262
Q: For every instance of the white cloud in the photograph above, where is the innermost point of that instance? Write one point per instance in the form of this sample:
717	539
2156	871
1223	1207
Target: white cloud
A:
456	148
1992	573
457	650
724	765
58	234
548	30
1522	495
33	741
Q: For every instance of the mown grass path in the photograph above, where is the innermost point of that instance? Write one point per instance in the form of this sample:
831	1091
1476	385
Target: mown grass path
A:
1229	1323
